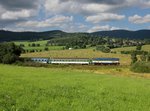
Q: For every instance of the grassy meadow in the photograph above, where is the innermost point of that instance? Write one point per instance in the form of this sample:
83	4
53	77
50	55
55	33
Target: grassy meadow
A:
67	89
42	45
144	47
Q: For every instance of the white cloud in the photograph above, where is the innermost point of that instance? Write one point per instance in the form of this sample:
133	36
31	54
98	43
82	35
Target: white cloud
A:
96	8
102	28
77	7
74	27
90	7
56	21
145	3
30	13
64	23
104	17
136	19
10	15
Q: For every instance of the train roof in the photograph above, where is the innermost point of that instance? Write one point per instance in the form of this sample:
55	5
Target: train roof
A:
69	58
106	59
39	58
97	59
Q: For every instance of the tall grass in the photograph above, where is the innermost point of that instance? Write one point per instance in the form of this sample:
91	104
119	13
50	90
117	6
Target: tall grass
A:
141	67
43	89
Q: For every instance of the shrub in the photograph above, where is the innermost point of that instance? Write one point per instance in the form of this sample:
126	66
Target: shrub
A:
139	47
22	45
134	58
143	57
9	53
141	67
33	45
103	49
9	58
46	49
38	45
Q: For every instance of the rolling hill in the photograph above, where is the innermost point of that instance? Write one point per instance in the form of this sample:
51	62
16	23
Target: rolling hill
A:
15	36
141	34
21	36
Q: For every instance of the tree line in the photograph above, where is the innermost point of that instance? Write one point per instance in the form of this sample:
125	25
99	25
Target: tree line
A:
81	41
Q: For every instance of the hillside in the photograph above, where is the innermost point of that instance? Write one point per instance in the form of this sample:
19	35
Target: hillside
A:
16	36
141	34
21	36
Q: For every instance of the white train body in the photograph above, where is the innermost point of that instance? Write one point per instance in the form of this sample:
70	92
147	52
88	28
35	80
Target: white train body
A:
82	61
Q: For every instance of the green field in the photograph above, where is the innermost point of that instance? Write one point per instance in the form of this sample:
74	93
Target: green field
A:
64	89
144	47
42	45
42	42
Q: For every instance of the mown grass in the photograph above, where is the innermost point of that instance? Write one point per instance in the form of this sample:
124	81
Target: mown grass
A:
57	89
79	53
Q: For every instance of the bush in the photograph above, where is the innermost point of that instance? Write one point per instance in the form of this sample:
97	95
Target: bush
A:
137	52
141	67
139	47
46	49
9	53
134	58
9	58
103	49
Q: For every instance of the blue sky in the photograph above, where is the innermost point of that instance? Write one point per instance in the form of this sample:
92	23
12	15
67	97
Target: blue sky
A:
74	15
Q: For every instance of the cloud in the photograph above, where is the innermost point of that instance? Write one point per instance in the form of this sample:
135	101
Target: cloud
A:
102	28
96	1
61	22
74	27
90	7
104	17
136	19
85	7
9	15
15	11
15	5
28	13
56	21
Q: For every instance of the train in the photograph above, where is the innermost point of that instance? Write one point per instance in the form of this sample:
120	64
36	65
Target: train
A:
78	61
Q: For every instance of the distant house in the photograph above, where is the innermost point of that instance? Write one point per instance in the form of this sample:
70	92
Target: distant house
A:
70	48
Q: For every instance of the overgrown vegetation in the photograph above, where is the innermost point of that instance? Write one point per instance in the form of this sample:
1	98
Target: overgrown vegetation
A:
141	67
103	49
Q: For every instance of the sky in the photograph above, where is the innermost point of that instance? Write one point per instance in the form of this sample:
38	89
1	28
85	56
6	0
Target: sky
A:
74	15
